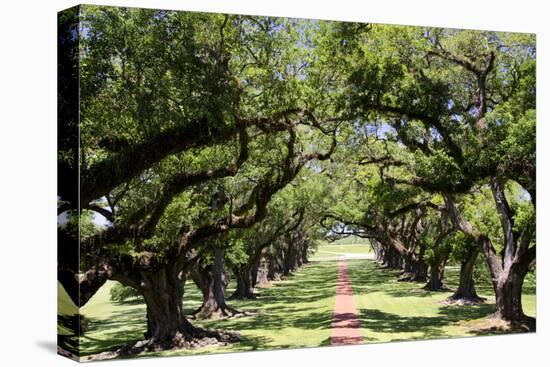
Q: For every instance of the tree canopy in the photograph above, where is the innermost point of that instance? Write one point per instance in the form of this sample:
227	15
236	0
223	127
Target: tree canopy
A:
256	136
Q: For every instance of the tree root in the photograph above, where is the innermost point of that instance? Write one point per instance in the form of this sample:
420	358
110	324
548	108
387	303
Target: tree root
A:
220	313
197	339
411	277
525	324
236	296
442	288
463	301
495	324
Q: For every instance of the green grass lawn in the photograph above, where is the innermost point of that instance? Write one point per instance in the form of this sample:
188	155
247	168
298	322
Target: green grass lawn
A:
334	250
391	310
65	308
297	311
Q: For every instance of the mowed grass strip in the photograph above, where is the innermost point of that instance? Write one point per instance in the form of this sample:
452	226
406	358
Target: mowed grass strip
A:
390	310
297	312
333	251
291	313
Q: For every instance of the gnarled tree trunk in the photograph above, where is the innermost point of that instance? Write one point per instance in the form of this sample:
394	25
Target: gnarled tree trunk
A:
392	259
378	251
437	271
305	253
414	269
213	281
245	288
167	326
466	291
509	268
289	257
275	266
166	323
260	273
508	287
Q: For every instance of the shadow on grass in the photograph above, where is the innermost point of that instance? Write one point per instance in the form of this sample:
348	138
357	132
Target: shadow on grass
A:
429	327
130	301
367	278
68	342
287	303
497	330
107	333
456	313
66	335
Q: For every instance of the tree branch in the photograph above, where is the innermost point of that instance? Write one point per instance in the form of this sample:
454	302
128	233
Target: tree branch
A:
468	229
136	228
259	199
104	212
506	222
454	149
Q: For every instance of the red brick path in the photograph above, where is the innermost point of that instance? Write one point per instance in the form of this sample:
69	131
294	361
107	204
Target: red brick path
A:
345	326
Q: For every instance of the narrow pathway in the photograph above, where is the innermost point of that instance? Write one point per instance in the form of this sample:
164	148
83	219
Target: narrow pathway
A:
345	325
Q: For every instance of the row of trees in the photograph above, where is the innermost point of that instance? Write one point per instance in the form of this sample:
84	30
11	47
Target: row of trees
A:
215	144
450	164
189	132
